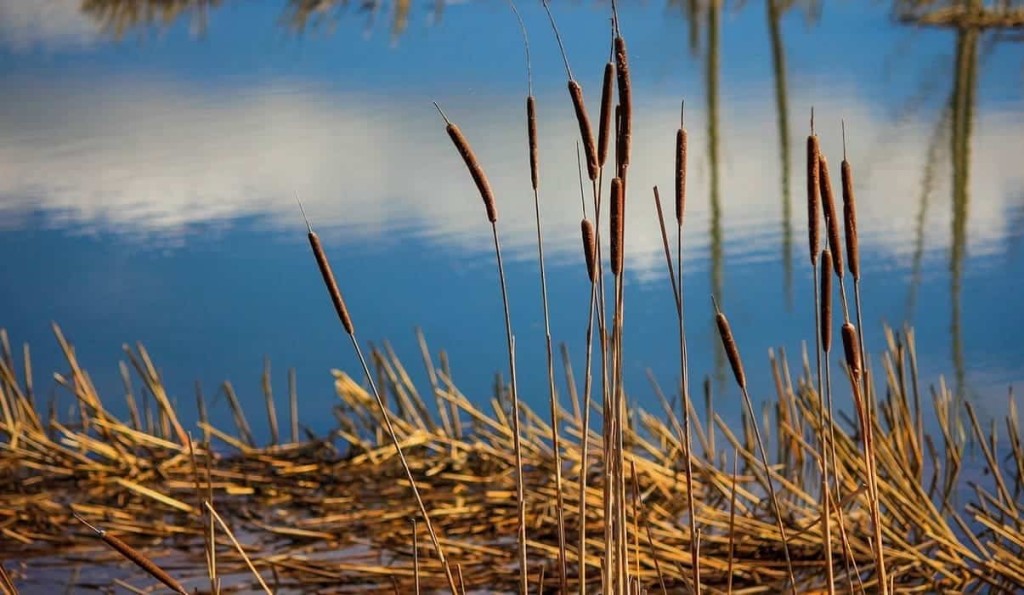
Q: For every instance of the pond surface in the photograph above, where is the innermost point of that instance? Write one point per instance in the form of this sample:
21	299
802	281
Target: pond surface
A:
150	158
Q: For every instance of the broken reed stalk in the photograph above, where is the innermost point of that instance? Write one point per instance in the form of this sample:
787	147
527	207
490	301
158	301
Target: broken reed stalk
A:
826	422
855	369
415	558
293	400
483	186
647	526
531	135
733	354
664	243
268	396
590	258
134	556
684	366
334	291
238	546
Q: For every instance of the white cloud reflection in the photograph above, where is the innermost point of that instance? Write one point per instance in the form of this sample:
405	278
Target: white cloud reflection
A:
154	159
45	24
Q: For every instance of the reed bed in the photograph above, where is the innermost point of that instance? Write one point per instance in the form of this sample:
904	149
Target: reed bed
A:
435	491
333	512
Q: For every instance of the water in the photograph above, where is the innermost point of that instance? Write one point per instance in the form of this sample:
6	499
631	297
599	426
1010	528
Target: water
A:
148	171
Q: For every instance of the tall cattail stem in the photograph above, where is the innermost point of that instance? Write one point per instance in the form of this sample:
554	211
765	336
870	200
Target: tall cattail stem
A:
346	320
733	354
825	344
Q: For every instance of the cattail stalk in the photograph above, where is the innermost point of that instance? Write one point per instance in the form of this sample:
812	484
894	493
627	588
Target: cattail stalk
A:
346	321
854	365
826	422
531	129
733	354
132	555
590	256
680	204
483	186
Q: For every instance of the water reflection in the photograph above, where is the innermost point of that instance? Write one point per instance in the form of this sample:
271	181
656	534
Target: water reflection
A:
970	20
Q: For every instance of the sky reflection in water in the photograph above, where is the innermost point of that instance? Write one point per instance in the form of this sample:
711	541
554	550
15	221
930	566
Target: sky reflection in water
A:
146	186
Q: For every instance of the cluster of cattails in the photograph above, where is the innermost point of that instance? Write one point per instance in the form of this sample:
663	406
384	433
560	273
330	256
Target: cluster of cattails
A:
821	201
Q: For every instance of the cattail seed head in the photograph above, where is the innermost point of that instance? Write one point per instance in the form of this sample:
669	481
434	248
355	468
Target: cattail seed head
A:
133	555
850	219
330	282
625	100
475	170
731	350
605	123
828	202
531	131
813	197
680	174
851	346
586	132
589	248
826	300
618	225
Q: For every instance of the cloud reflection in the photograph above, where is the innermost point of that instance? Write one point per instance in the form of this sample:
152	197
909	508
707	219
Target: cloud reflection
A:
155	160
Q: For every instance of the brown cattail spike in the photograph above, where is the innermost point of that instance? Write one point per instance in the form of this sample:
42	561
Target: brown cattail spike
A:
826	300
618	225
330	282
586	132
605	123
589	248
475	170
133	555
828	201
531	132
813	197
850	215
852	348
625	100
680	174
729	344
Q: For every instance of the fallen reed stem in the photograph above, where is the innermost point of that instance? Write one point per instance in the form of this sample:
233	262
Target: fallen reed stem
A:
238	546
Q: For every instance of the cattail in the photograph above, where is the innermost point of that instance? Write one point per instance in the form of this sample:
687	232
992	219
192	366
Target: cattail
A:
680	174
813	197
828	201
604	126
531	131
589	248
618	225
330	282
852	348
133	555
475	170
850	218
826	300
625	100
731	350
586	132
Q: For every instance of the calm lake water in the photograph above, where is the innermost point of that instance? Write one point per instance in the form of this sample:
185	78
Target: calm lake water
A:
149	163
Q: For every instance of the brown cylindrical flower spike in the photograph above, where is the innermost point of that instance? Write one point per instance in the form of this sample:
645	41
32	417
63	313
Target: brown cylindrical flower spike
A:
586	132
828	201
618	225
531	132
852	348
826	300
605	123
850	218
813	198
729	344
589	248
